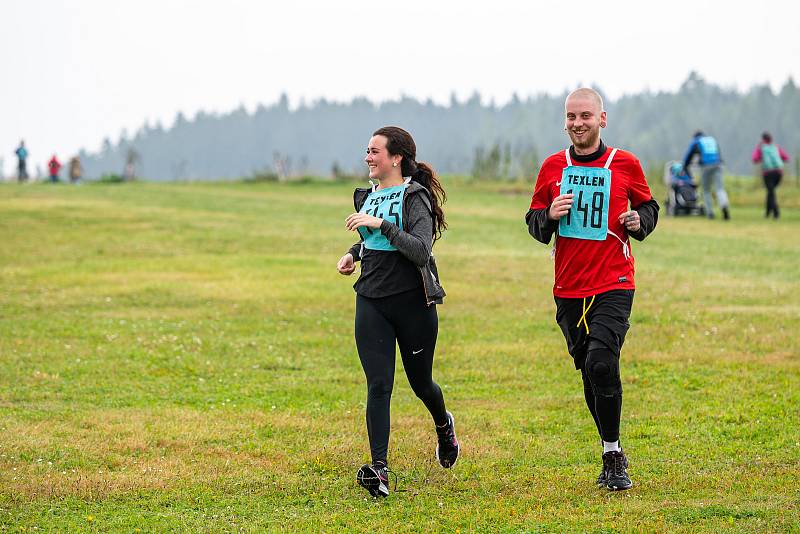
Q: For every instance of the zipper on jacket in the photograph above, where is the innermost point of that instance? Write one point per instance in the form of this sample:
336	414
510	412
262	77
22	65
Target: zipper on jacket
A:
428	302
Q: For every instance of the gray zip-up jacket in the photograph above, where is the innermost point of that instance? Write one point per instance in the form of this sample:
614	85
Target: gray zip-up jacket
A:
414	241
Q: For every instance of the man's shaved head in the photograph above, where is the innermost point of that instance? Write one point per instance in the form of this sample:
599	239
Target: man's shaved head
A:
587	92
584	116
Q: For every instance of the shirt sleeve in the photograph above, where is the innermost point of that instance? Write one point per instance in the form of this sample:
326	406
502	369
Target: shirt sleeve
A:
540	227
648	218
638	190
783	154
359	196
355	250
642	201
541	192
687	159
757	154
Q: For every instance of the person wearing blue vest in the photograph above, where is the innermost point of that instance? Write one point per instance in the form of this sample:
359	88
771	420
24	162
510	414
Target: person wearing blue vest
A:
707	148
22	159
398	219
771	157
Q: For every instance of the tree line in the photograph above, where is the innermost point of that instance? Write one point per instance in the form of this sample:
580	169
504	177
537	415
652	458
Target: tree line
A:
485	140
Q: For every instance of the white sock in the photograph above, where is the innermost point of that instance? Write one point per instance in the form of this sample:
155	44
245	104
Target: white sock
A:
610	446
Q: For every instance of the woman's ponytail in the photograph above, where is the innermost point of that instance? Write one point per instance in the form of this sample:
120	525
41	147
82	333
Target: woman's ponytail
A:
427	177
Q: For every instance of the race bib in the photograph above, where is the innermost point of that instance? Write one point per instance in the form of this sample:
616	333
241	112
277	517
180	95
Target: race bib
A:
771	158
708	146
386	204
588	217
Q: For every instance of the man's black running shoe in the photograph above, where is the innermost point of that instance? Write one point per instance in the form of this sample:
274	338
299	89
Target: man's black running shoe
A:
615	464
602	478
447	450
375	478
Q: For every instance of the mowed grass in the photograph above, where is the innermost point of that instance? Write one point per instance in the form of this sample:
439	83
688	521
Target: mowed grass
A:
181	357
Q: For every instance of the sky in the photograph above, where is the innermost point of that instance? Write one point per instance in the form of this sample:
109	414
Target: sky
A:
77	72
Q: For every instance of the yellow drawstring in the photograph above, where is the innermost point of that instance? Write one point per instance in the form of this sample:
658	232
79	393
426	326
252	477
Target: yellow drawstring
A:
585	309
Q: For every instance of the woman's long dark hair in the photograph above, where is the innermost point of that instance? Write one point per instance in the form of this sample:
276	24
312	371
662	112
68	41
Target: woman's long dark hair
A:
400	143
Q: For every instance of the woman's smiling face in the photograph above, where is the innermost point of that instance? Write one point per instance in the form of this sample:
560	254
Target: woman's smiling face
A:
379	160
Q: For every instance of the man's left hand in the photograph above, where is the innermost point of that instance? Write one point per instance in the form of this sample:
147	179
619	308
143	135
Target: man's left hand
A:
631	220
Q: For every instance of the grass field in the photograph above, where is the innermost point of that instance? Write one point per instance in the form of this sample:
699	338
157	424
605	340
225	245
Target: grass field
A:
180	357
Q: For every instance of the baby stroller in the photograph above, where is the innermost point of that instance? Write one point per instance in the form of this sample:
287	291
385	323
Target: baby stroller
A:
681	191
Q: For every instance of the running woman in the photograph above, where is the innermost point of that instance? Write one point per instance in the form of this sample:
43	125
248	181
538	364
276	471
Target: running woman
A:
772	159
582	196
398	219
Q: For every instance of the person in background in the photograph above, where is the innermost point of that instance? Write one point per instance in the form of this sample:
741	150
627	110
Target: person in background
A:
54	167
771	157
22	166
707	148
75	170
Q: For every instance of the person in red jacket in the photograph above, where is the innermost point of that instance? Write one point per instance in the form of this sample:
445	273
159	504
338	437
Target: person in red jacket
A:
594	198
54	167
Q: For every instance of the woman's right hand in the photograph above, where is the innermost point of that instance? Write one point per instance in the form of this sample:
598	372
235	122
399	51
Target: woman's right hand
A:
346	265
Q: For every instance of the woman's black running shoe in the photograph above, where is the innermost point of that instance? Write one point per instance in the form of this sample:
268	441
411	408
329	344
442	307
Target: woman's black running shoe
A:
447	450
375	478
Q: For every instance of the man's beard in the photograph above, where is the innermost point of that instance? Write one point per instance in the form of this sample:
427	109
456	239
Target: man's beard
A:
588	140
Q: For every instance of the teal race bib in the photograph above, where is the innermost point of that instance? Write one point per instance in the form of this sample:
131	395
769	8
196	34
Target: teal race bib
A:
588	217
386	204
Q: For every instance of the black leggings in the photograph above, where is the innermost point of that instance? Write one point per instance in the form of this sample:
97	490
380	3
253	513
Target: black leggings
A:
380	322
771	181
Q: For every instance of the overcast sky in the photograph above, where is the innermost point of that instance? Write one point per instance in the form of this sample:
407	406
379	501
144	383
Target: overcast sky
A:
76	72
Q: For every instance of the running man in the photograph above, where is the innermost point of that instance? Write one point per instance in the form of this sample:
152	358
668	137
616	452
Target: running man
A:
398	220
582	196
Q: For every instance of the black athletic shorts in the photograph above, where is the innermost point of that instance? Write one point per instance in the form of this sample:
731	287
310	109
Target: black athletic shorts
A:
607	318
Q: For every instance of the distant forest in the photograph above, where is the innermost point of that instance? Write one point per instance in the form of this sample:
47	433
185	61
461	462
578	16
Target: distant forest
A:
464	137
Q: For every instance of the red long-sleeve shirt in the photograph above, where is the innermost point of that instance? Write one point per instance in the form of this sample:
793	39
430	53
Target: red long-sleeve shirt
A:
585	267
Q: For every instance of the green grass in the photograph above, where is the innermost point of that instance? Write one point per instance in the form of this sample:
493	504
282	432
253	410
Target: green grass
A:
181	357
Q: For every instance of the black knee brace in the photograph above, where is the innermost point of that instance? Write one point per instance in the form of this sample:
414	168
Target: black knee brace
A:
602	369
